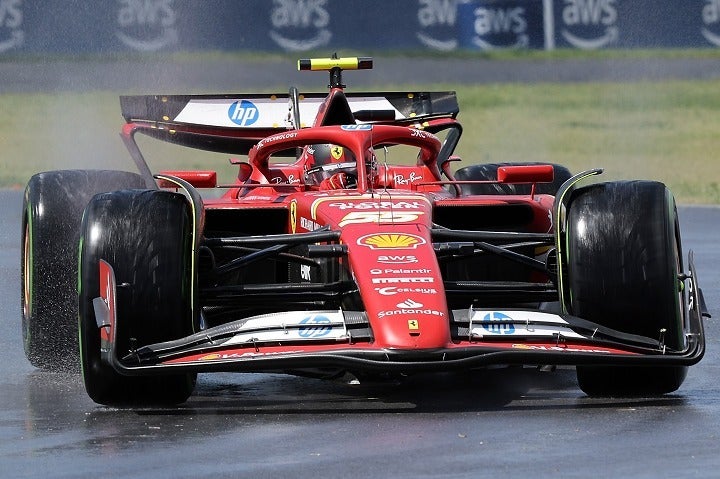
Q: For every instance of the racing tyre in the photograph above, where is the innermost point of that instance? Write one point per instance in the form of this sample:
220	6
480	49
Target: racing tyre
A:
488	172
624	257
146	237
52	211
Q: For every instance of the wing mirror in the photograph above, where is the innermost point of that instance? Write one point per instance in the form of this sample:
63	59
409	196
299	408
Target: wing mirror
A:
199	178
526	174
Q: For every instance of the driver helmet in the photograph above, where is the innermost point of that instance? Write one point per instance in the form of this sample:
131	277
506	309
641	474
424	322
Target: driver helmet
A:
326	153
316	156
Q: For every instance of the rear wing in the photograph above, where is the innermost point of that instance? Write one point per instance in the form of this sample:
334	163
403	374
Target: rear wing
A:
234	123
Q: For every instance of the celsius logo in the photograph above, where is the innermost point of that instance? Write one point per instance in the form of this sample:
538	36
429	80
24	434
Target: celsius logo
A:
593	21
11	20
300	25
711	17
492	323
146	25
315	327
507	26
437	20
243	113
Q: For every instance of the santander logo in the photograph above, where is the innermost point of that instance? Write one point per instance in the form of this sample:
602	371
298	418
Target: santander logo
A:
409	304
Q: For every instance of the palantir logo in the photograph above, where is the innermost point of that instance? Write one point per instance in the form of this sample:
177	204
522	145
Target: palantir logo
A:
711	18
590	24
500	28
300	25
11	22
243	113
146	25
437	22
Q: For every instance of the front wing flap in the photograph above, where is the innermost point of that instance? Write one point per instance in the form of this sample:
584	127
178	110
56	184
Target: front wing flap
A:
299	340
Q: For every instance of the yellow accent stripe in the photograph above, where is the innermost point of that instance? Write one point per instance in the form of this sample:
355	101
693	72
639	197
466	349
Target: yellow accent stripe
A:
349	63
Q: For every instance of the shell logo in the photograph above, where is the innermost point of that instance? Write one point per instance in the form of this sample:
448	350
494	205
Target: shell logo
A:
391	241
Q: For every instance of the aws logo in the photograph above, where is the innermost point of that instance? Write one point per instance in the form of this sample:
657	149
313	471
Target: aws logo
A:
711	18
11	21
437	22
146	25
590	24
300	25
500	28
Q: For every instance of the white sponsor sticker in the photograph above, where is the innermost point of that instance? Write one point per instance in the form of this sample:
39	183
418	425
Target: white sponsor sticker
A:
409	304
425	279
519	323
393	290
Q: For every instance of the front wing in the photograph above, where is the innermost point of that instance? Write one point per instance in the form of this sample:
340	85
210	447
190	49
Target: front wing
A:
301	340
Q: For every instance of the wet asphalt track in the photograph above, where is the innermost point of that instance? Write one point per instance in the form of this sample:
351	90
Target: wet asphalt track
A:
503	423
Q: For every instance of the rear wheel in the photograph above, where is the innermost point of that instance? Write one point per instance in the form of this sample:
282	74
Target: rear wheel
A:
488	172
52	212
624	257
145	235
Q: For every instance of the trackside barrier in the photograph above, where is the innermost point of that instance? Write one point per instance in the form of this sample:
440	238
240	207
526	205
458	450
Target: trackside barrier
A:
116	26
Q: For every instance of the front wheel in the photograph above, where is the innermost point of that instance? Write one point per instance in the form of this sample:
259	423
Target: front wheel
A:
623	261
52	211
146	237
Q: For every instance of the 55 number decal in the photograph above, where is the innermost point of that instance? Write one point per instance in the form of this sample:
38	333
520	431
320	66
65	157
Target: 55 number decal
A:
356	217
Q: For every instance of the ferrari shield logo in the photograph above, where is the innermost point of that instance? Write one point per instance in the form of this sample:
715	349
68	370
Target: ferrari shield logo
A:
293	216
336	152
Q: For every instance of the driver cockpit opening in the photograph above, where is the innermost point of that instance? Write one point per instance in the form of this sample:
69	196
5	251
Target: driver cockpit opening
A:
329	166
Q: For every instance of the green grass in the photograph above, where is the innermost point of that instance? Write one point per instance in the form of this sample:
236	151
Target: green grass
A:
668	131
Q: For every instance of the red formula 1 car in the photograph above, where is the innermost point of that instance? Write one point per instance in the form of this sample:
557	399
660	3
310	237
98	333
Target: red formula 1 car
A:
349	246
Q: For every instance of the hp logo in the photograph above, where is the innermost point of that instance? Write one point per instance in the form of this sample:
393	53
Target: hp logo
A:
243	113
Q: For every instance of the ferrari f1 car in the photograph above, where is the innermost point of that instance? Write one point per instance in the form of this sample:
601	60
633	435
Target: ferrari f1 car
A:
347	245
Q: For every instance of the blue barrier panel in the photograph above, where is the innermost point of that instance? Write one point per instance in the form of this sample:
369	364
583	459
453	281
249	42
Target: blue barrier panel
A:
710	22
12	33
110	26
493	24
86	27
297	25
593	24
50	26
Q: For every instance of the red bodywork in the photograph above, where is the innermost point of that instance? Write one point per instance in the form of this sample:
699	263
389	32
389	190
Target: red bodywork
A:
389	241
